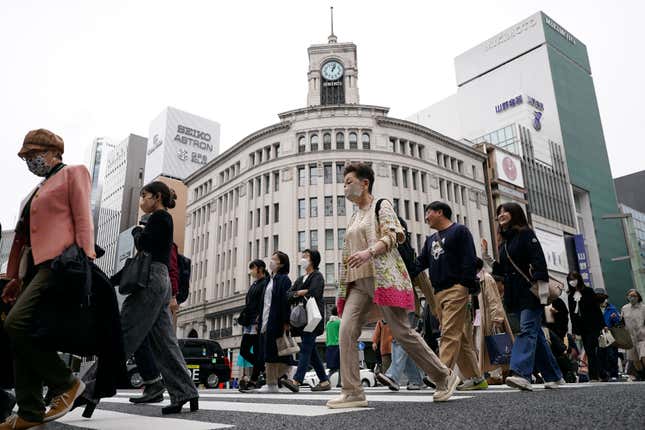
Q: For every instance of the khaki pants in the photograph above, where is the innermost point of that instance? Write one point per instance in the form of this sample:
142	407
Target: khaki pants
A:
359	301
456	331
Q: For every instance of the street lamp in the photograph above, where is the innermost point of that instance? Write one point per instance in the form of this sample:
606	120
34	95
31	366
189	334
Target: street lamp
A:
632	252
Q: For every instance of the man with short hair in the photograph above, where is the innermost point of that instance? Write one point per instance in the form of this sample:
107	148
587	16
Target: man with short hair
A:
449	254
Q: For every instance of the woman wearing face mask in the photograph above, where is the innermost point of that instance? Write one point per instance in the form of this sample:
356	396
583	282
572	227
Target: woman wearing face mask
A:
586	321
309	285
374	283
145	313
249	319
520	251
609	355
634	315
57	215
274	321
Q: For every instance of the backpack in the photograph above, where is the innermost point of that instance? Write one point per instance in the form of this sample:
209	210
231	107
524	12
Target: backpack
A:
183	266
408	253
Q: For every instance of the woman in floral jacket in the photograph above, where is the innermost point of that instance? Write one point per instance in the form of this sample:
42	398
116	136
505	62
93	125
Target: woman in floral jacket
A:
375	283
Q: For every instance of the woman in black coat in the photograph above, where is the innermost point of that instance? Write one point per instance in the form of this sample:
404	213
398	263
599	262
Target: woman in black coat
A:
310	285
274	321
586	320
249	319
521	257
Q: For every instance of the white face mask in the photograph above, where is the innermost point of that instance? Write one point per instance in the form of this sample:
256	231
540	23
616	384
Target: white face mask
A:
304	263
353	192
573	283
633	300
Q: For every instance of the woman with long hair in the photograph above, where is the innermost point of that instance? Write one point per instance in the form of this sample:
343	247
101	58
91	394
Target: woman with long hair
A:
521	257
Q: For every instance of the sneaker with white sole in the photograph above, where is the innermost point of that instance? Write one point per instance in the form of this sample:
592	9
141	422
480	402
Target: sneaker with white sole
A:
473	384
265	389
387	381
415	387
444	393
554	384
62	404
519	383
348	401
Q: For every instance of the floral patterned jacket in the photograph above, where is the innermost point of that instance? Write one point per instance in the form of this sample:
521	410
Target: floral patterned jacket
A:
392	284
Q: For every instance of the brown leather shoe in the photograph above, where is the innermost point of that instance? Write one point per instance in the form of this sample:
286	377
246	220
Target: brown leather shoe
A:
63	403
14	422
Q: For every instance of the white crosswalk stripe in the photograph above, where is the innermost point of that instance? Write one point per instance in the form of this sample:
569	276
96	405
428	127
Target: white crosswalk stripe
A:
109	420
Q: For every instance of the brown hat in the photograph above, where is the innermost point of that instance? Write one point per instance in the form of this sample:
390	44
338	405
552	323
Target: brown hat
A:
42	140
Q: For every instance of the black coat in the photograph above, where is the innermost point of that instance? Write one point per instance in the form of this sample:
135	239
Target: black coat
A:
279	314
560	324
254	302
590	319
525	250
315	283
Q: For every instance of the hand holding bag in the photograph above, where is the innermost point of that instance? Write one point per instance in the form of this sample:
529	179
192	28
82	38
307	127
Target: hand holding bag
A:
547	292
286	345
623	340
136	273
499	346
606	339
313	315
298	316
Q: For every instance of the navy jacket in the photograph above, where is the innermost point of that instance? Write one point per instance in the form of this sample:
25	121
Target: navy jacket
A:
279	314
526	251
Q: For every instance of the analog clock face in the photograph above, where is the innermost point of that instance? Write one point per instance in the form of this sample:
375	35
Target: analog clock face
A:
332	70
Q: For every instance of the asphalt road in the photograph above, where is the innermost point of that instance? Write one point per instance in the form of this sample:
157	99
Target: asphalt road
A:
574	406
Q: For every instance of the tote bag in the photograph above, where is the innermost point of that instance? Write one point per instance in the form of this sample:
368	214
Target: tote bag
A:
499	347
286	345
313	315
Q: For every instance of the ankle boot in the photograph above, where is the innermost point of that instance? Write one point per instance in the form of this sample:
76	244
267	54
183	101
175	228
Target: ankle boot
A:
175	408
152	393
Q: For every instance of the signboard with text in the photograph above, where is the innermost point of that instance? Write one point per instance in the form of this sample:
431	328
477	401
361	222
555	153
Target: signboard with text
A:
583	259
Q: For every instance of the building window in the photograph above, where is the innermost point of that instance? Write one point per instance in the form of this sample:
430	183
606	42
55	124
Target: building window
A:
251	189
267	215
313	140
340	167
423	182
329	206
266	246
276	242
258	221
474	172
480	227
366	141
329	239
328	173
414	180
276	182
313	239
442	192
353	141
276	212
340	140
422	154
330	275
327	141
416	211
301	176
395	203
258	186
341	238
406	209
301	144
301	241
249	251
395	176
404	173
250	223
257	248
267	185
393	142
313	174
340	205
301	208
313	207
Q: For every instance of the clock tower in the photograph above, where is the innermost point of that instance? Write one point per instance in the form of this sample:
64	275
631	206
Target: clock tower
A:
333	76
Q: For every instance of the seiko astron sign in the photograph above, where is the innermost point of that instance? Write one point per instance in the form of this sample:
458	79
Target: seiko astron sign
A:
179	144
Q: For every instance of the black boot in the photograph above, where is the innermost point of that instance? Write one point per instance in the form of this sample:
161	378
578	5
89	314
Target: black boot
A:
152	393
175	408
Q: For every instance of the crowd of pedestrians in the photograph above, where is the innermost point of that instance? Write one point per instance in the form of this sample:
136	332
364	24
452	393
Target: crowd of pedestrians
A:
479	322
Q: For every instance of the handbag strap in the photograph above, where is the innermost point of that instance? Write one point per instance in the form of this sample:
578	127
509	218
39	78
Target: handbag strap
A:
516	266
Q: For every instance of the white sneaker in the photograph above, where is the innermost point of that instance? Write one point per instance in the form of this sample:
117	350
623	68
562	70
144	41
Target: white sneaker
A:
348	401
519	383
443	394
267	389
554	384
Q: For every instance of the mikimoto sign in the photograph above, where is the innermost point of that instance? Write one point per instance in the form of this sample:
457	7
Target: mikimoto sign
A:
179	144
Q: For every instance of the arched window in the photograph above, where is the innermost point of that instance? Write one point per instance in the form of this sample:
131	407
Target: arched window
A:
301	144
340	140
366	140
313	140
353	141
327	141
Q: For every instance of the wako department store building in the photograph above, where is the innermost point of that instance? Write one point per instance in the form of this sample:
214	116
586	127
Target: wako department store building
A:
281	188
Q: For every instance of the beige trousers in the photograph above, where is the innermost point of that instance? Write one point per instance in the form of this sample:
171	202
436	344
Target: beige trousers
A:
456	345
360	297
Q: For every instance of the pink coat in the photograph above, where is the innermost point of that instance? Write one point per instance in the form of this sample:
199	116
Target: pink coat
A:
60	215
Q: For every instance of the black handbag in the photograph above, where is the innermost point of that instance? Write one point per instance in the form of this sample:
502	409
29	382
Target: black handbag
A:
136	273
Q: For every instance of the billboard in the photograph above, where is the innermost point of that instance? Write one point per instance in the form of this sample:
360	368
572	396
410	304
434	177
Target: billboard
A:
508	168
179	144
583	259
554	251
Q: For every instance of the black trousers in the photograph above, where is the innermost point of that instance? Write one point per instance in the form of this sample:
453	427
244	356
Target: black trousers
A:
609	360
590	343
251	341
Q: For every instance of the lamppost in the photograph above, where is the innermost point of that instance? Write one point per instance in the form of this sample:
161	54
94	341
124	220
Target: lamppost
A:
627	223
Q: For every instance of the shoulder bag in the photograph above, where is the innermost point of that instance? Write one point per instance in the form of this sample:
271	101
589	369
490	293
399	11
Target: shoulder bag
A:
136	273
546	292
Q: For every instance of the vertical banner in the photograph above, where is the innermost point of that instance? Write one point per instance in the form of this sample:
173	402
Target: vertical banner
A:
583	260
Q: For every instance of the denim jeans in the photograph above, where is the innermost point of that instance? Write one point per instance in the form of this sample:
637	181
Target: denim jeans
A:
309	354
531	351
402	363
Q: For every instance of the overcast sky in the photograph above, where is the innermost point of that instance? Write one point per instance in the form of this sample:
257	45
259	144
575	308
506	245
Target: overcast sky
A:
106	68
